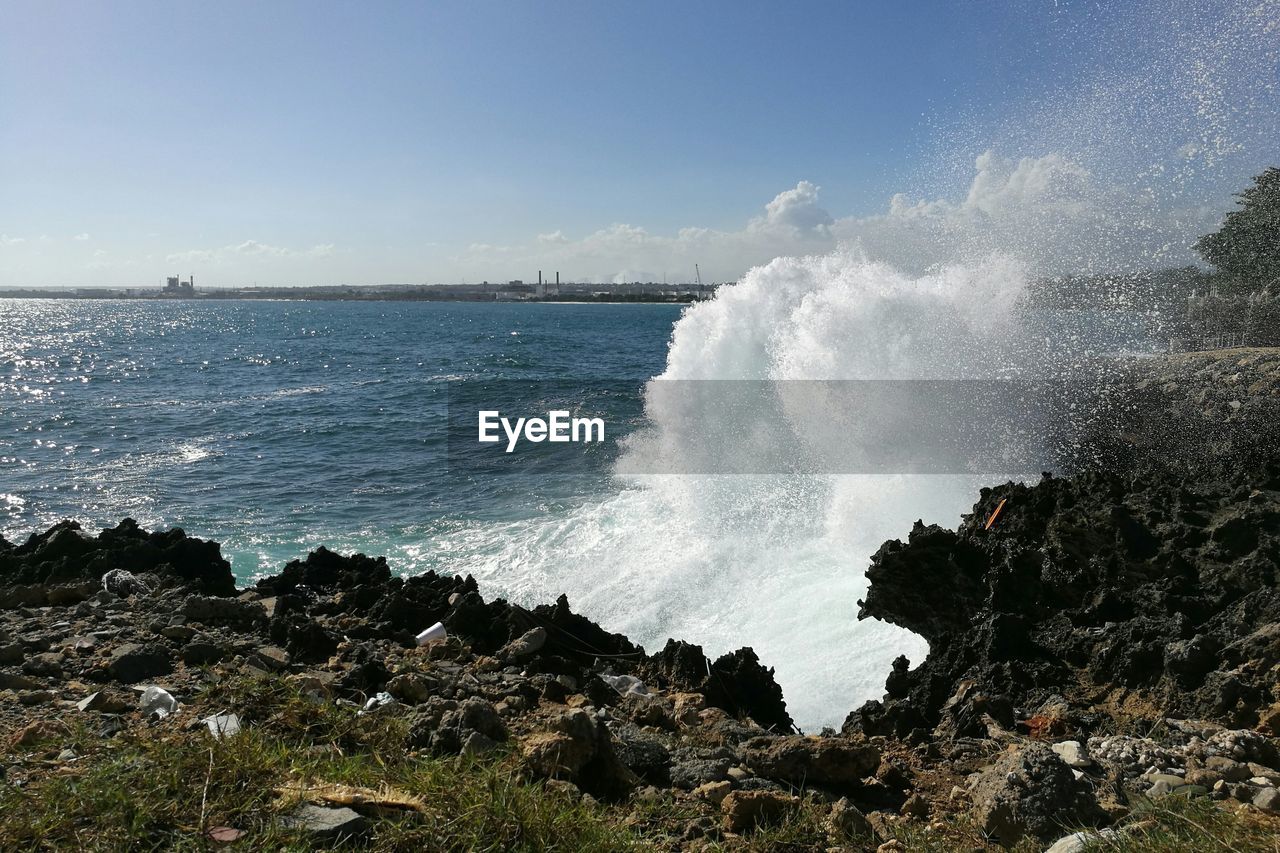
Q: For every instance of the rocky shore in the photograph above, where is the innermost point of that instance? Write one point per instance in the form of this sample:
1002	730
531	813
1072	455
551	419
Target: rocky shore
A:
87	622
1104	671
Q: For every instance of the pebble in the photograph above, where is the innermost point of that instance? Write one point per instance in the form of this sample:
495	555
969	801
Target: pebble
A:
330	824
529	643
649	794
222	725
713	792
916	806
744	810
1072	754
1268	799
1171	778
846	821
1229	769
104	702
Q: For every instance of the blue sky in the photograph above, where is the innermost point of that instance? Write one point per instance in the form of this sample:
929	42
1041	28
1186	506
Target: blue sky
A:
297	143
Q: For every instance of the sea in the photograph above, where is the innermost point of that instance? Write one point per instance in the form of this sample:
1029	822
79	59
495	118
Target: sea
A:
275	427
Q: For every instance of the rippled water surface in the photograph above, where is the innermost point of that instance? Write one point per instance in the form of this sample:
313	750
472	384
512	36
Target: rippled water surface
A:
275	427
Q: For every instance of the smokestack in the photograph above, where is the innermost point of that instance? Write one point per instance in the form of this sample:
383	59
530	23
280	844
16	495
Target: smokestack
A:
557	278
539	276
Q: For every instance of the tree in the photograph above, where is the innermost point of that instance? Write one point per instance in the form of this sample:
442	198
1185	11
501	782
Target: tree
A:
1248	243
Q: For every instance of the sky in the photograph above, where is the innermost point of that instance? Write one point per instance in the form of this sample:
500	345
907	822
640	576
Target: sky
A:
297	143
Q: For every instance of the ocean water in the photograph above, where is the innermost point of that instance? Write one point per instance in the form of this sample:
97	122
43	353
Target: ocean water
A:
276	427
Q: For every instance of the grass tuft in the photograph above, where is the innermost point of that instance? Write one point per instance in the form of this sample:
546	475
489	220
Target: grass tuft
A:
156	788
160	787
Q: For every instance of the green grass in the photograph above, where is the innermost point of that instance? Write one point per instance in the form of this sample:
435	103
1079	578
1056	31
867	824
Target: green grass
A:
1166	825
160	787
1183	824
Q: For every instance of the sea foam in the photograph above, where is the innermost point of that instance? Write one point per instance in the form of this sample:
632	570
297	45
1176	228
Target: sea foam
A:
774	561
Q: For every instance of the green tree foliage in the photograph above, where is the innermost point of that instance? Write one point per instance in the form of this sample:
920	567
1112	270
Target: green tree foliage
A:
1248	243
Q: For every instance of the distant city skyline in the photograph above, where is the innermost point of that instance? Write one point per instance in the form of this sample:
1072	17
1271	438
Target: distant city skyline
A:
320	144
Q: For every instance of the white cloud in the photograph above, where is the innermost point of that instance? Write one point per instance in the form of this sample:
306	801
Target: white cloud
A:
6	240
791	223
489	249
193	256
797	210
253	247
1049	212
81	237
101	259
247	249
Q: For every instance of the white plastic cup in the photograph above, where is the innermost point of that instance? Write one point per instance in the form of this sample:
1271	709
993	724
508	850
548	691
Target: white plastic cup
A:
158	701
432	635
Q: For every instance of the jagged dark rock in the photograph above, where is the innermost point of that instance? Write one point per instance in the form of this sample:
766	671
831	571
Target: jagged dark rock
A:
812	761
132	663
323	569
350	614
736	682
1146	584
578	748
65	553
1030	791
396	608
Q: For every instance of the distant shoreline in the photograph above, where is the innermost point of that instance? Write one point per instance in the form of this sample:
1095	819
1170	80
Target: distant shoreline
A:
452	300
610	294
